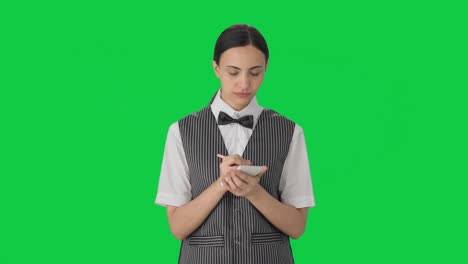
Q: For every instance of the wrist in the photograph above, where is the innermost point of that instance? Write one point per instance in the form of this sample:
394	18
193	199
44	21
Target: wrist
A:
256	190
218	187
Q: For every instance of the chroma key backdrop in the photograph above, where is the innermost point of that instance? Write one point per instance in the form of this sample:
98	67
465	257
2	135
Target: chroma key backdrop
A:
88	90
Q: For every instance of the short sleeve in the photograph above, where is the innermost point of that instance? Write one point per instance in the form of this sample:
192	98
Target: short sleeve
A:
174	184
296	183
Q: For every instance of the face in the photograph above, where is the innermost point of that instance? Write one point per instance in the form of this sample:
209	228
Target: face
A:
241	71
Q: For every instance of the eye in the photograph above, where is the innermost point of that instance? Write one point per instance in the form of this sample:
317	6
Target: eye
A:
255	74
233	73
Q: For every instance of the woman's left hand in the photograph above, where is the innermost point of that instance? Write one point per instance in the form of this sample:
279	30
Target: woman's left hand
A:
241	184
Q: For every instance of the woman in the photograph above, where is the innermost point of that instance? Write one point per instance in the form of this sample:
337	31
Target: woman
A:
221	214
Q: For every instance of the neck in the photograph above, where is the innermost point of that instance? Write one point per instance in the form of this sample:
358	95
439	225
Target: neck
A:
234	106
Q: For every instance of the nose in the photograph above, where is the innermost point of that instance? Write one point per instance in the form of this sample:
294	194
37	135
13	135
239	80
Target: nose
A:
244	82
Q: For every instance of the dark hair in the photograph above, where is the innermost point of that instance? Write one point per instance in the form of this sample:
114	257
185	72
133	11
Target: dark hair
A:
239	35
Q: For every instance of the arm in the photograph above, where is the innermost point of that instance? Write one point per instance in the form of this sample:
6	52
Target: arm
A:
290	214
174	192
288	219
196	211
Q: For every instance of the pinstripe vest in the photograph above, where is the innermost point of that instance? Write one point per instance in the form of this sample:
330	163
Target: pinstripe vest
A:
235	232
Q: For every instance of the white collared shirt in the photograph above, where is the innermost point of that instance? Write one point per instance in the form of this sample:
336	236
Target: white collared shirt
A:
174	182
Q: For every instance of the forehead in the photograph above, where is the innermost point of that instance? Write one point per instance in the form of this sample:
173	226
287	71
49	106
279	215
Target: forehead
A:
242	57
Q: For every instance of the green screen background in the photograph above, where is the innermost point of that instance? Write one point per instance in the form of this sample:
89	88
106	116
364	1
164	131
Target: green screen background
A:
88	91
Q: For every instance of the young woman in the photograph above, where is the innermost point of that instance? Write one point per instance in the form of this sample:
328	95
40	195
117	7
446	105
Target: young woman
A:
221	214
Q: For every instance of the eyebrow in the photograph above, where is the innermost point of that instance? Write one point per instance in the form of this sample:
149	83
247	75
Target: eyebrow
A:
254	67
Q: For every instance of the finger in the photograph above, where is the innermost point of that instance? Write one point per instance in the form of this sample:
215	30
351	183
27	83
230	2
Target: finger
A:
238	181
226	185
245	162
236	178
231	159
264	169
236	160
241	175
230	182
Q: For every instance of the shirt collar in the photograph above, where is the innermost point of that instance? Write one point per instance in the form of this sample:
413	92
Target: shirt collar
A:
252	108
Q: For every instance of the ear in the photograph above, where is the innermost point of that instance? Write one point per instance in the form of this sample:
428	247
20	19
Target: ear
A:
216	68
266	65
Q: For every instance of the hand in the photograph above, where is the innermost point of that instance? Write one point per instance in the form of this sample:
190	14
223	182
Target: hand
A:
241	184
229	162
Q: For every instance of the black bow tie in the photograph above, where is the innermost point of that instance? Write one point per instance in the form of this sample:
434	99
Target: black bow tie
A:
224	119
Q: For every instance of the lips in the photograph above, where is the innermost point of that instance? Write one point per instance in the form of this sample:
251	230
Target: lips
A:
242	95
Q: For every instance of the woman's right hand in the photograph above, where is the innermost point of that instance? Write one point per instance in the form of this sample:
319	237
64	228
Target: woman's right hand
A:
198	209
231	161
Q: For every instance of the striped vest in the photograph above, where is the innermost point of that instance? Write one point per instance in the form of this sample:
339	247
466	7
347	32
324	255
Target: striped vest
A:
235	232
